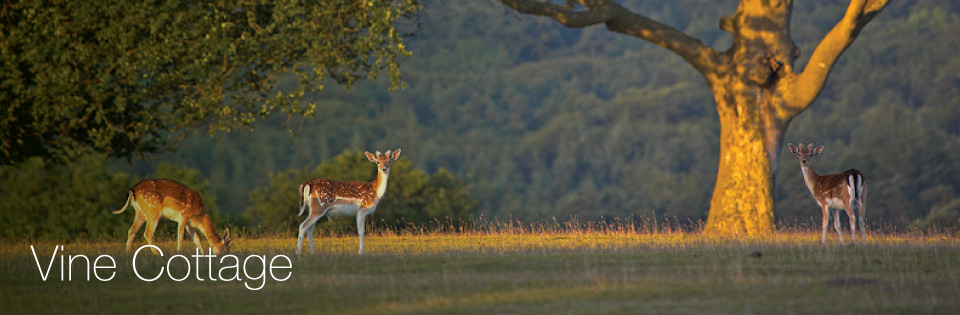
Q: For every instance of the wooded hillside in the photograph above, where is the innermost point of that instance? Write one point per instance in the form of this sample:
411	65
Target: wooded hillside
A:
543	121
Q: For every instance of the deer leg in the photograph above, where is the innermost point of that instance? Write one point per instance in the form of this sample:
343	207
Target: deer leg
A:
853	221
180	227
148	234
307	226
826	222
310	237
314	225
138	221
836	225
303	228
361	215
191	232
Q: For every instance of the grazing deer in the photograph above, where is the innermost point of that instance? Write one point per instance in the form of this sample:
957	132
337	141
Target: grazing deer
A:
175	201
336	199
847	190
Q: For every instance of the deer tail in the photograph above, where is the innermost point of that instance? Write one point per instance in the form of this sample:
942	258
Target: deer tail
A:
125	205
304	192
856	183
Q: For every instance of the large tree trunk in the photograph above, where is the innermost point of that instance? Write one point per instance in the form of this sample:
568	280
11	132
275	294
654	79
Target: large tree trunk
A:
754	83
750	105
742	201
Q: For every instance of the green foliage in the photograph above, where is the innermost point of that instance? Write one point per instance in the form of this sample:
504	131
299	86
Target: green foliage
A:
897	124
944	213
413	197
942	217
73	200
125	78
62	201
545	121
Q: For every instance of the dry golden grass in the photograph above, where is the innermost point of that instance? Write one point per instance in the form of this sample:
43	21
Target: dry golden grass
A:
523	269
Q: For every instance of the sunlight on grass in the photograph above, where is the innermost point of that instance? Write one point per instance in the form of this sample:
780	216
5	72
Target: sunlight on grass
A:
505	238
515	268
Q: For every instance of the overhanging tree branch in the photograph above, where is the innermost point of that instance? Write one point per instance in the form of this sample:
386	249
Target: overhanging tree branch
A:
808	84
621	20
756	90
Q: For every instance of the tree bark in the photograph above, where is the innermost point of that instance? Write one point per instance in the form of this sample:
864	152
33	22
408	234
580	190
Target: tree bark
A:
756	89
742	201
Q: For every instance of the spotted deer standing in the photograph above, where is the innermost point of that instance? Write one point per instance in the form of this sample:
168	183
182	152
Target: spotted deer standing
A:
153	199
336	199
847	191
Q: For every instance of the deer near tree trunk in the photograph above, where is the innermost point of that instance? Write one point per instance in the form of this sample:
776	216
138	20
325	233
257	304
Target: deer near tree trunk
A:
847	191
756	87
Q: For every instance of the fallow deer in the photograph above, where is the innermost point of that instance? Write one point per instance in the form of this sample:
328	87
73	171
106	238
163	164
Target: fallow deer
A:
336	199
153	199
847	191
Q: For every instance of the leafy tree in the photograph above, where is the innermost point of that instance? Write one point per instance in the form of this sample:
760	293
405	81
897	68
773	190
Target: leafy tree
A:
757	89
941	217
413	198
125	78
61	201
495	106
74	200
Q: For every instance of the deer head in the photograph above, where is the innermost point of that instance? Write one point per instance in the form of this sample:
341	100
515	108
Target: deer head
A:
805	154
224	247
383	160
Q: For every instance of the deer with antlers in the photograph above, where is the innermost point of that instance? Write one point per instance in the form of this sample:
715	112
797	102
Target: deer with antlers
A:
153	199
336	199
846	191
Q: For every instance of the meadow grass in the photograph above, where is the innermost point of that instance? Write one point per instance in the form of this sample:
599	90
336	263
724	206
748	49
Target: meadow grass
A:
520	270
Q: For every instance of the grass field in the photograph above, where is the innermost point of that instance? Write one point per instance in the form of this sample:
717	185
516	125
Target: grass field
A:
573	271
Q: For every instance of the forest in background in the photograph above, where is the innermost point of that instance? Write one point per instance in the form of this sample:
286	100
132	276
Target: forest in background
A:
541	121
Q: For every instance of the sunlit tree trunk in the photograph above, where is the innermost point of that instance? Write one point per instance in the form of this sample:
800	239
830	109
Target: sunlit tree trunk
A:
742	201
749	97
755	86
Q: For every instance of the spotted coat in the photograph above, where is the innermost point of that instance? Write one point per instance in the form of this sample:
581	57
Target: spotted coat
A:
826	188
327	191
169	199
166	193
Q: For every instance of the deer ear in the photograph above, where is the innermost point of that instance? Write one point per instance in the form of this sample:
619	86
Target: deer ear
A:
371	157
818	150
793	149
396	154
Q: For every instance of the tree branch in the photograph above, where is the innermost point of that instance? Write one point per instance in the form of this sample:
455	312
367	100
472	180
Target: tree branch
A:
809	83
621	20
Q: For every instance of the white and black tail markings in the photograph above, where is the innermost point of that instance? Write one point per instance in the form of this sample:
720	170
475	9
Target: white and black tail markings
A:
335	199
843	191
855	181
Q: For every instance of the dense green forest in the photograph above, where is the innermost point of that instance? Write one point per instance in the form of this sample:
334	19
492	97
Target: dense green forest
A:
541	121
